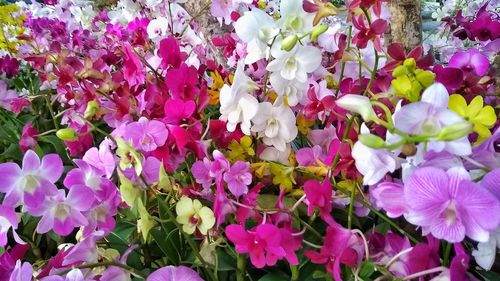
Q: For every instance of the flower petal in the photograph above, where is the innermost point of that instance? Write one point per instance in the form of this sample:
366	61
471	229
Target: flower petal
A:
479	209
9	173
31	161
52	166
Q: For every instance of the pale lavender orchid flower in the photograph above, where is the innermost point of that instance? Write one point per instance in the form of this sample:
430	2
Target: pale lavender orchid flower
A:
449	205
31	183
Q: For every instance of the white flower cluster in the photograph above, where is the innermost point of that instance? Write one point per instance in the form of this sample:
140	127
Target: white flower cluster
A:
288	71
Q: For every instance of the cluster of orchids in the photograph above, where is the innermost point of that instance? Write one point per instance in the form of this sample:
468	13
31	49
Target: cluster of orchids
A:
313	149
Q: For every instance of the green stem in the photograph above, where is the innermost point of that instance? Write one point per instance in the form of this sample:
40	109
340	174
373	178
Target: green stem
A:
295	272
447	252
240	272
49	106
388	220
351	207
308	226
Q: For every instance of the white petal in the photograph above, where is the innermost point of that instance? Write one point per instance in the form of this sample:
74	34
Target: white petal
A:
309	57
437	95
485	253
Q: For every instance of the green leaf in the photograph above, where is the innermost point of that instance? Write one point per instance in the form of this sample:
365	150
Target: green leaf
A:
146	222
57	144
382	228
318	274
130	193
367	269
121	233
275	276
489	275
167	246
226	262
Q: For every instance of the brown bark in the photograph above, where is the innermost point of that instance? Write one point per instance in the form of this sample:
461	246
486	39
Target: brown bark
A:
406	23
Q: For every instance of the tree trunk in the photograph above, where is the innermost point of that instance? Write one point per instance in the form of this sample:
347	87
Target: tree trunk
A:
406	23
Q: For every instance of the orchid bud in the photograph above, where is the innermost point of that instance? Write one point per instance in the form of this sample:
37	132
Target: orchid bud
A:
372	141
410	63
455	131
67	134
426	78
358	104
317	31
91	110
400	71
289	42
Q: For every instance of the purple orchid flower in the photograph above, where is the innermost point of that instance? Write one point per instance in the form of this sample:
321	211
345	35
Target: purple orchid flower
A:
74	275
309	156
102	159
8	220
238	178
90	177
22	272
390	197
145	134
201	173
105	194
449	205
31	183
63	213
174	273
84	251
470	60
219	166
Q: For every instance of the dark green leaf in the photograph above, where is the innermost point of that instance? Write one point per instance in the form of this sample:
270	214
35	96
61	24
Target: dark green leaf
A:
367	269
275	276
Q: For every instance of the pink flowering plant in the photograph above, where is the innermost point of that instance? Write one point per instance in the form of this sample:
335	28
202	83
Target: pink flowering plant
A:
296	142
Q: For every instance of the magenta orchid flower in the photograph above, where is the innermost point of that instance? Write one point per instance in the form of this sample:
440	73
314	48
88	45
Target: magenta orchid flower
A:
31	183
28	137
133	70
63	213
450	206
340	246
263	243
145	134
174	273
176	111
485	28
470	60
319	195
9	259
367	33
238	178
